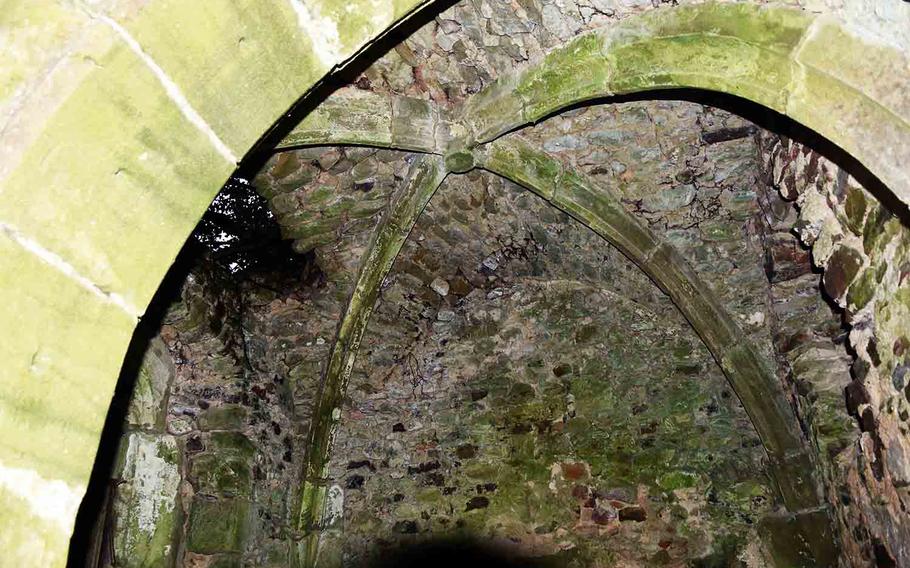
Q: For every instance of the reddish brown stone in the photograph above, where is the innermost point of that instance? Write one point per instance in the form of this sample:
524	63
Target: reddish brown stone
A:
581	492
843	267
574	470
786	258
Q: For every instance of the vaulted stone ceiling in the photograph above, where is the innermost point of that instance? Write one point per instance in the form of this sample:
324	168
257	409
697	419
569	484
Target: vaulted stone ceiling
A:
521	381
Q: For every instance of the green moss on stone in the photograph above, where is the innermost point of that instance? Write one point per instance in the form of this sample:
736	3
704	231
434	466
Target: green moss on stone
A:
774	28
217	526
224	417
855	206
147	404
234	443
349	116
226	561
219	474
843	267
146	507
573	73
702	60
459	162
677	480
862	290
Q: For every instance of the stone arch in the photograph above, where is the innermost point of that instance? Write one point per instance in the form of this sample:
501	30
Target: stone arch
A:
792	462
120	121
158	113
792	62
776	65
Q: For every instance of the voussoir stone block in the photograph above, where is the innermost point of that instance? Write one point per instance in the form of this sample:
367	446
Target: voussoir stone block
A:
349	116
702	60
523	164
148	403
117	177
60	362
574	73
239	63
774	28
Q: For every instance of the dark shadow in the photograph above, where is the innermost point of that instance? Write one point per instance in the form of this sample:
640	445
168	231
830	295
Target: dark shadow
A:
84	548
457	553
769	120
257	248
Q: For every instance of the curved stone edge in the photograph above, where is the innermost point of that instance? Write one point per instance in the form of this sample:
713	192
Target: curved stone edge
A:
793	468
149	151
118	128
811	68
426	175
352	116
757	386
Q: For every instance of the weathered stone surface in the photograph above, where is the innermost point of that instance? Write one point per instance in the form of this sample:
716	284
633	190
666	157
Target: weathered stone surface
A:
147	509
789	548
217	526
497	451
148	404
356	116
752	378
221	472
860	247
737	48
843	267
405	206
786	259
60	361
745	50
110	116
349	116
223	417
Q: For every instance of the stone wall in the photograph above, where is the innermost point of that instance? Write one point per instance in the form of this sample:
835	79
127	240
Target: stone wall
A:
863	246
144	498
521	381
246	354
502	393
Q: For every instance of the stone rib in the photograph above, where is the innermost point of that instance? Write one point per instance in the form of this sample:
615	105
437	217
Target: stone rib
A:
425	177
364	118
772	56
755	383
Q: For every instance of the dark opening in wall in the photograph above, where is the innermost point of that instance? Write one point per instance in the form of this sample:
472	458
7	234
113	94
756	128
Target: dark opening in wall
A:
238	241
